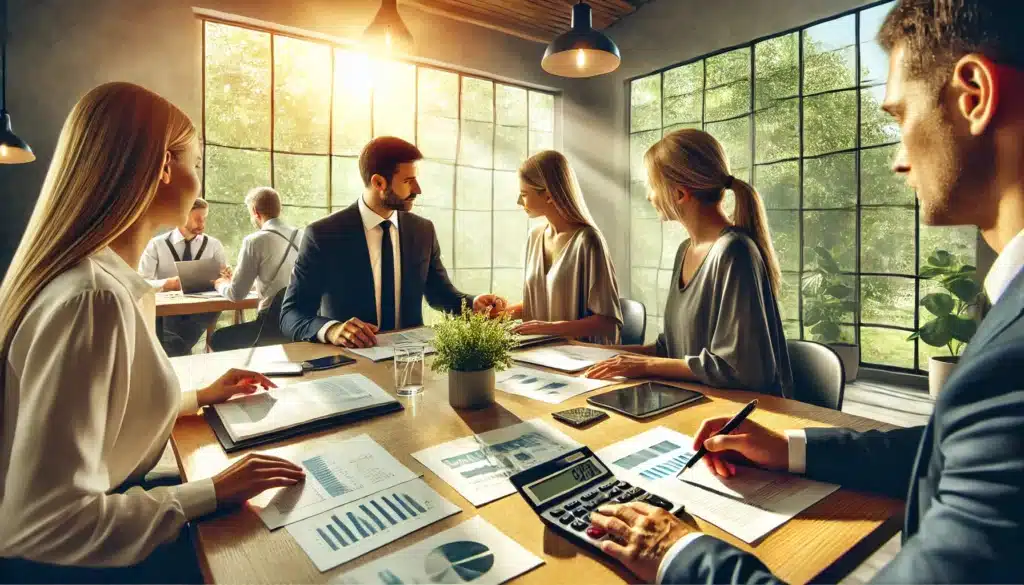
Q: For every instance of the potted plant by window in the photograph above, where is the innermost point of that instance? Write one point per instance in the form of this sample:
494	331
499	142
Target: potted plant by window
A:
953	312
470	347
827	300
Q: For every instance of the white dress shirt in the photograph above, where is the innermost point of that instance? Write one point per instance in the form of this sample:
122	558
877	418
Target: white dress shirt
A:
259	260
89	402
157	263
374	237
1005	268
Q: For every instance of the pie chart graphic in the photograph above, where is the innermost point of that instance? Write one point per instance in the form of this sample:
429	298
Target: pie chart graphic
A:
462	561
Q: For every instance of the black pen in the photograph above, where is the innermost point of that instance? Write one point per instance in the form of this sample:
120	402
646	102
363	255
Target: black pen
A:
728	428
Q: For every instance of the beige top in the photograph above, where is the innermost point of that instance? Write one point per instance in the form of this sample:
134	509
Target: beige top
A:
89	399
579	283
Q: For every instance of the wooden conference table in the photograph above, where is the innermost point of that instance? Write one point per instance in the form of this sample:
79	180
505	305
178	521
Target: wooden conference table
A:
824	543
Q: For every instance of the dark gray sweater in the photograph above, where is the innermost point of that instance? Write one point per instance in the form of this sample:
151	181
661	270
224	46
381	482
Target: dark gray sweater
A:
725	323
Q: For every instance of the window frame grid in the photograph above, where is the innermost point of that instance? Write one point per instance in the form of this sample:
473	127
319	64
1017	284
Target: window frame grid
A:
331	156
858	88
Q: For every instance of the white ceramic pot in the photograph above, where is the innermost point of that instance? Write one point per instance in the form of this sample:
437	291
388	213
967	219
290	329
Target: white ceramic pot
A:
471	389
939	370
849	354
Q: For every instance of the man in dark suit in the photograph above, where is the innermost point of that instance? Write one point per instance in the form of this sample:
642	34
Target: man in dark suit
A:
955	82
367	268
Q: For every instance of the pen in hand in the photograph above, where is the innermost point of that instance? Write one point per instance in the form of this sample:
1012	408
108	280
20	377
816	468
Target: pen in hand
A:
725	430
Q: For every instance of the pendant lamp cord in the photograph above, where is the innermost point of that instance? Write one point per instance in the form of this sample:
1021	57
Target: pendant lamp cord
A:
3	58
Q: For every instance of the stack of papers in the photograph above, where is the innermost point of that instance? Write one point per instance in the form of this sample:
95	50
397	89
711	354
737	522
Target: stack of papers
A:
748	505
478	466
472	552
349	470
545	386
291	406
386	342
565	358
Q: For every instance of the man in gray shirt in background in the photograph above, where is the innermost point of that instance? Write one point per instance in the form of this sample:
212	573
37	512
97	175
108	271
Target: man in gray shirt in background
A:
266	257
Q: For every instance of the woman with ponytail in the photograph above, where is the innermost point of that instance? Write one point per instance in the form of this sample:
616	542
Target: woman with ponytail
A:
722	324
89	396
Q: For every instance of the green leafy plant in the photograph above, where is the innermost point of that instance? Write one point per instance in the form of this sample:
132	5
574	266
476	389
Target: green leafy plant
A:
826	298
472	342
953	325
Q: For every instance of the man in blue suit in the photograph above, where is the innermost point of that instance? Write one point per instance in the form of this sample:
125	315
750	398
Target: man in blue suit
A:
956	87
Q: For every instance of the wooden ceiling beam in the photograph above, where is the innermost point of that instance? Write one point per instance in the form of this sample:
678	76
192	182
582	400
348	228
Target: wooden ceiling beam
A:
528	13
490	21
563	12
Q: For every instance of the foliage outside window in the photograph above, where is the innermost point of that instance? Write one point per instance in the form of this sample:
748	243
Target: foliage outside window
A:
799	116
295	114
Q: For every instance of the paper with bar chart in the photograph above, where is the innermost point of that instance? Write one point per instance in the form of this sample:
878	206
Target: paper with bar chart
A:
478	466
354	529
545	386
748	505
346	471
386	342
472	552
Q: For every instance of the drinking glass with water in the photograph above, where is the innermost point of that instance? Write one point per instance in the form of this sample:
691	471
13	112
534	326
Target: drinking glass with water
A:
409	368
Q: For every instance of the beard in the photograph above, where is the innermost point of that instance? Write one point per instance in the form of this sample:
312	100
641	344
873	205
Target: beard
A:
391	200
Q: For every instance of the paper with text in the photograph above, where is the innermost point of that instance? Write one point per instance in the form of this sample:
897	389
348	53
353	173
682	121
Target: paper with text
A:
386	342
748	505
565	358
545	386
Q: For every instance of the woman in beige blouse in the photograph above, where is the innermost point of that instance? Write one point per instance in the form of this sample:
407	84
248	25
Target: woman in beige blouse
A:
89	396
569	287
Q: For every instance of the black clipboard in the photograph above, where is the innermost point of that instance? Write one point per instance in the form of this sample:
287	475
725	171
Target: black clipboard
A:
230	446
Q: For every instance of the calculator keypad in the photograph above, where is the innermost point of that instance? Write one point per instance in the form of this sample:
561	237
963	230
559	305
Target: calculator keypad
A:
575	514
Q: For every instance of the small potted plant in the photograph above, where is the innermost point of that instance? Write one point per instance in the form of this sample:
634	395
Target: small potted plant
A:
953	322
471	347
827	300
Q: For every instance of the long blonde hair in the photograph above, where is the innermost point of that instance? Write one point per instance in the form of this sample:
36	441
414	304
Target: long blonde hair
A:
102	178
694	160
549	171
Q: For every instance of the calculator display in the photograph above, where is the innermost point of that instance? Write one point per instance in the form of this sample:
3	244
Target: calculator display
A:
566	480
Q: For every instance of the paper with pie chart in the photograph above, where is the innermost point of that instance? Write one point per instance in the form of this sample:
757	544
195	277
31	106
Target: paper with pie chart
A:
472	552
545	386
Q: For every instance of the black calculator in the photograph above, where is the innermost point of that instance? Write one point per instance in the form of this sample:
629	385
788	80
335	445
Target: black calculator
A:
564	491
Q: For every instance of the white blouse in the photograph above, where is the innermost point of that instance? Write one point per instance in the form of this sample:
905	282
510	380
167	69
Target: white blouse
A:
89	400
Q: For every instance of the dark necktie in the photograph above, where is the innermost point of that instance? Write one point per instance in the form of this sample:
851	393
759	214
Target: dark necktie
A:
387	279
188	251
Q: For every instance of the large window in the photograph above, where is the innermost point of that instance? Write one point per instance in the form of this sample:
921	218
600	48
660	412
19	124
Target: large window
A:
295	113
798	115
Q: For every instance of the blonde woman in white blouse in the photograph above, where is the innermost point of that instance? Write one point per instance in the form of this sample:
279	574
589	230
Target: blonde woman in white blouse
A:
569	286
89	397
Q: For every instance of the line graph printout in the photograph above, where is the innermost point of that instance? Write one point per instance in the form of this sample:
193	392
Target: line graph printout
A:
354	529
478	466
347	471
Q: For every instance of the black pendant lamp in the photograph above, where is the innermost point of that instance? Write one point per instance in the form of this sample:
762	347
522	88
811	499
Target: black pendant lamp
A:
13	150
583	51
387	33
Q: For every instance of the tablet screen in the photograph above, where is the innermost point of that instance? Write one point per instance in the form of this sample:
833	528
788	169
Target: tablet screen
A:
645	399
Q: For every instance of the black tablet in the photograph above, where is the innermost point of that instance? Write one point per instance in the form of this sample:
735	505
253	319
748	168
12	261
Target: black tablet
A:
646	399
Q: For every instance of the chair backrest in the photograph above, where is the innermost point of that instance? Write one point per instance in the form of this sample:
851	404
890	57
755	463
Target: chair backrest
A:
634	321
818	376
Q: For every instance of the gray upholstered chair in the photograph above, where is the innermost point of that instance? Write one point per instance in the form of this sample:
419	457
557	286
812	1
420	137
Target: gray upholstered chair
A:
818	376
634	322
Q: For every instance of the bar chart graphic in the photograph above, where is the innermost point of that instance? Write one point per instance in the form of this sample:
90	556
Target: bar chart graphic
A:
665	468
346	532
323	473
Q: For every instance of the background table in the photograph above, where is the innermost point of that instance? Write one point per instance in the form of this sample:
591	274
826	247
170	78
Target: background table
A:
170	304
823	543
